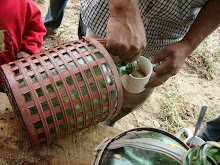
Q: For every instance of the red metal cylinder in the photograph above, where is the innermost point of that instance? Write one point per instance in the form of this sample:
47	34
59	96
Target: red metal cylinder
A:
63	90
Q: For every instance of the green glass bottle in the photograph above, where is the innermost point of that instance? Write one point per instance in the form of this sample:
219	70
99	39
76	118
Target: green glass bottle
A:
207	154
122	67
129	155
155	147
126	67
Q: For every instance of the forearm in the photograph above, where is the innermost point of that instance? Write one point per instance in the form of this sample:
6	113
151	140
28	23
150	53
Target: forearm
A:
123	7
206	22
172	57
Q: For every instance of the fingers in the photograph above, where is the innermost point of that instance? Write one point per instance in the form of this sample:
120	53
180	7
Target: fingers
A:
163	71
126	52
133	58
130	56
160	57
167	66
170	60
126	37
116	48
111	46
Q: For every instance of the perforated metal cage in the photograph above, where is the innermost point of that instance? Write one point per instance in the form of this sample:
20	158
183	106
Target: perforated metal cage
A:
63	90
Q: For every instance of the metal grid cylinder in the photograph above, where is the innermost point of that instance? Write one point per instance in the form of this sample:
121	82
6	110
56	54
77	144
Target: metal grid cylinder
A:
63	90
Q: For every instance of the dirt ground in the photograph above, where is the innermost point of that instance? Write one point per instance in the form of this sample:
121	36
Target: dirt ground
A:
177	102
173	105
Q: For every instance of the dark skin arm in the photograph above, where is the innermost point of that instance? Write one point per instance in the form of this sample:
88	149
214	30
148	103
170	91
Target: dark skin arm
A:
173	56
126	36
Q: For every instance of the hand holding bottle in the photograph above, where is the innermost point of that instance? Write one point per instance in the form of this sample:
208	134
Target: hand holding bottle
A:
126	36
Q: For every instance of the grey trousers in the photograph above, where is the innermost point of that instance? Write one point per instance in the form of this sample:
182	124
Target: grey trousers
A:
211	131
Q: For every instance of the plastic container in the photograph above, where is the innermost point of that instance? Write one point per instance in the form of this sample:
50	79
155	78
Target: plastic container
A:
63	90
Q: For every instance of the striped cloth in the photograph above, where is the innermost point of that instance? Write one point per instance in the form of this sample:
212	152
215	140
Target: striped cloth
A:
165	21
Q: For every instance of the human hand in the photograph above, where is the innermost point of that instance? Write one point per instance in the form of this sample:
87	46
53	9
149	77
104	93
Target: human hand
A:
170	60
126	36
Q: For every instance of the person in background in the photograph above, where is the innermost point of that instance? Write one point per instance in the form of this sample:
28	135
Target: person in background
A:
21	30
211	131
54	16
166	32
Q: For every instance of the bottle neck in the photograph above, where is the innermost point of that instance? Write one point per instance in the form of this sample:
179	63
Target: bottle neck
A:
126	67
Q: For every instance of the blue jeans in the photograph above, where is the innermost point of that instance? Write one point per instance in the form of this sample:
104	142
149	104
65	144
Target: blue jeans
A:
55	14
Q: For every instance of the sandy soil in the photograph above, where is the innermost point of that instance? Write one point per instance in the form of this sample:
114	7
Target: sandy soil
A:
177	102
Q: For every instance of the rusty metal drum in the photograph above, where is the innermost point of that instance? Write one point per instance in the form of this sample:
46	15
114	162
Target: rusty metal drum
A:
63	90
